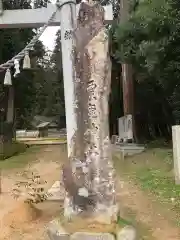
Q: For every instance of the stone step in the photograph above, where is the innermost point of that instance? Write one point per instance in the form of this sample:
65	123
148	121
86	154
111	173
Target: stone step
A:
56	232
56	192
128	149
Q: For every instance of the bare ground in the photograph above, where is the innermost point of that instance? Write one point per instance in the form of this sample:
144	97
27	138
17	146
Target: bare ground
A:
48	162
151	219
146	212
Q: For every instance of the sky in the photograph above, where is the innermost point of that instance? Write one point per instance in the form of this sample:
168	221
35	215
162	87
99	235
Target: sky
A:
49	35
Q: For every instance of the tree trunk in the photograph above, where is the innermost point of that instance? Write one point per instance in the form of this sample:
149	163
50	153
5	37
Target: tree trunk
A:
10	107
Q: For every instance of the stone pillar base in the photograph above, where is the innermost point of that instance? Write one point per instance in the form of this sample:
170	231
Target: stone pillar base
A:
61	231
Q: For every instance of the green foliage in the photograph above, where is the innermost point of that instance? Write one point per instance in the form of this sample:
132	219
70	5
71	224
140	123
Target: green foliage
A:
26	97
32	187
56	102
5	128
153	172
123	222
44	92
40	3
150	41
13	41
21	159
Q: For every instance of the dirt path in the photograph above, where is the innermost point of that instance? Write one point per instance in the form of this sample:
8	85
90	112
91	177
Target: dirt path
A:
47	164
150	220
140	206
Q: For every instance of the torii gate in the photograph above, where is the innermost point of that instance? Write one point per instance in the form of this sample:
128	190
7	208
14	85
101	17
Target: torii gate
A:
66	16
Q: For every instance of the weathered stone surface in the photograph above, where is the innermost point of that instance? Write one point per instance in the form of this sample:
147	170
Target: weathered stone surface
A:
56	232
56	192
107	216
127	233
91	236
90	148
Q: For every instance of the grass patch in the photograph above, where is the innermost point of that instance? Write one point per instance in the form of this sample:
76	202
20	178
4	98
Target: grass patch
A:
42	139
153	171
52	140
55	139
9	149
143	231
123	222
20	160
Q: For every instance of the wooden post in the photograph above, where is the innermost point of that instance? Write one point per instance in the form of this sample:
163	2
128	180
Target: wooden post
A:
0	181
127	73
10	108
176	152
1	7
127	89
